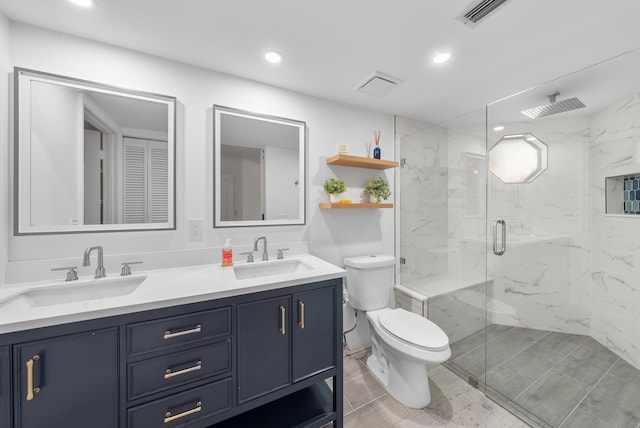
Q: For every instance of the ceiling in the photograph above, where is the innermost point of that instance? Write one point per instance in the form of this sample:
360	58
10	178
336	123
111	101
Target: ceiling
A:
332	46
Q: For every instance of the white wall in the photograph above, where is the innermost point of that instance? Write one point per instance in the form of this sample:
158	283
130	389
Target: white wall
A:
56	156
281	175
5	169
331	235
249	193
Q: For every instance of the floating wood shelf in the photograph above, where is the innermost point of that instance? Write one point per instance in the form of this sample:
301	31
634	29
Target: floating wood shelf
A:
329	205
360	162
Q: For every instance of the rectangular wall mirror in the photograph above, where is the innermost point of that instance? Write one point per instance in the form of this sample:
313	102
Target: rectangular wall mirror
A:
91	157
259	169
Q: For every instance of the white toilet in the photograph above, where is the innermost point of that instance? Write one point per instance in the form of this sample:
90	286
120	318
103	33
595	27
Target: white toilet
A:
402	343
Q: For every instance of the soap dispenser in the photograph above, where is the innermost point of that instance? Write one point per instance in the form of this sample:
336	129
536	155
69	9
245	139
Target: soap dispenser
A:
227	253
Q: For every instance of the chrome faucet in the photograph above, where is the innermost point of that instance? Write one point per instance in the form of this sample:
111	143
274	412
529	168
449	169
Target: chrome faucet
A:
265	255
100	272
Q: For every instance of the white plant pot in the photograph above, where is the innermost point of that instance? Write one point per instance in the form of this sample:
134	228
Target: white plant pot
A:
334	198
373	199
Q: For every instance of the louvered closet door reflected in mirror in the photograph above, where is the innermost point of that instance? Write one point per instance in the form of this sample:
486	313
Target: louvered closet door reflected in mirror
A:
145	186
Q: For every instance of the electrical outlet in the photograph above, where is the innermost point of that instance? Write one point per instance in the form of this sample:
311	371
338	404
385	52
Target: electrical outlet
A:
195	230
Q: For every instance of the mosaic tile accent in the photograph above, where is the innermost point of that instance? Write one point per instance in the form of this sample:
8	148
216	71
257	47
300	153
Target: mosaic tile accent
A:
631	195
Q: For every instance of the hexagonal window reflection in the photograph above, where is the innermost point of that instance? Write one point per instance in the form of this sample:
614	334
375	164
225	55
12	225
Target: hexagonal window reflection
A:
518	158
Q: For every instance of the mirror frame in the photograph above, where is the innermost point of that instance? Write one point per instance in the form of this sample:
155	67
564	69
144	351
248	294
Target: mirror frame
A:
218	112
22	104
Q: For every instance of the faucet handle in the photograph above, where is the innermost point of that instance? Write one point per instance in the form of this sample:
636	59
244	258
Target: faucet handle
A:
72	275
280	255
126	269
249	256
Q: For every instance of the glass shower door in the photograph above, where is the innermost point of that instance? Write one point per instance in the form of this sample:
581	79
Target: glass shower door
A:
560	350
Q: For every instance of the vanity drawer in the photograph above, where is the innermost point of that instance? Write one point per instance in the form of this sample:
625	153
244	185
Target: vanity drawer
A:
165	372
168	332
179	409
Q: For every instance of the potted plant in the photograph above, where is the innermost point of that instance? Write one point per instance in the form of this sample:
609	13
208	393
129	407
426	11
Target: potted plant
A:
334	187
377	189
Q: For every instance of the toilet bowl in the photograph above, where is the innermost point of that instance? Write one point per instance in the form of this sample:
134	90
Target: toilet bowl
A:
402	343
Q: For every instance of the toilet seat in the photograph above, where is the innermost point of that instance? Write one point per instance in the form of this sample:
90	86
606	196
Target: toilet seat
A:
413	329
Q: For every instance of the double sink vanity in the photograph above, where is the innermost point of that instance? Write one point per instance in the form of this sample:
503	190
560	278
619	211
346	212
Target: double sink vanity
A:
256	344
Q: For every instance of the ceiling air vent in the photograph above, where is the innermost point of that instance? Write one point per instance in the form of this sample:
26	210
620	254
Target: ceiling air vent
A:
479	10
378	84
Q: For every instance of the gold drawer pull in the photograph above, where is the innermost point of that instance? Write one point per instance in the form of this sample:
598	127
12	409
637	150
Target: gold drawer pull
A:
168	374
30	389
168	418
283	321
301	307
169	334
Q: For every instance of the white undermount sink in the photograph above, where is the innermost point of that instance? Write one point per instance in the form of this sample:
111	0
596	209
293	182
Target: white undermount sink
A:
76	292
272	267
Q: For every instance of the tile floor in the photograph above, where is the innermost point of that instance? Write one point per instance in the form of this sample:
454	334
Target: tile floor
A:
454	402
565	380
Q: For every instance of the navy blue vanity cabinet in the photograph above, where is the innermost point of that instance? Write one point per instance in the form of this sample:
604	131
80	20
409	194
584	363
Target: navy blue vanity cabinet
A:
67	381
5	388
263	347
262	359
288	346
314	332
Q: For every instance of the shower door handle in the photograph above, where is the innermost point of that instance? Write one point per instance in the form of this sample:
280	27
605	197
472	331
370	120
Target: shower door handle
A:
503	245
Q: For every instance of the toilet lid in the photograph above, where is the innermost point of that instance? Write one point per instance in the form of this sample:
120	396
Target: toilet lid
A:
414	329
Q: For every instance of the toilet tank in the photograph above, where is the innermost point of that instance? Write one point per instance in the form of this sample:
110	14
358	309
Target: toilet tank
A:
369	281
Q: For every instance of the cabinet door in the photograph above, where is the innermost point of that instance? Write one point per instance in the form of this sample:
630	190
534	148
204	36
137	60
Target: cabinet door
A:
314	332
69	381
5	393
263	347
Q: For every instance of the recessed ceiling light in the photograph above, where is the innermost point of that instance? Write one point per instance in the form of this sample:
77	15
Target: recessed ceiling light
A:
441	57
83	3
273	57
498	128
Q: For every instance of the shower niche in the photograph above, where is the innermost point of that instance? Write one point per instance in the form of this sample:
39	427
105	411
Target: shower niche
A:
622	195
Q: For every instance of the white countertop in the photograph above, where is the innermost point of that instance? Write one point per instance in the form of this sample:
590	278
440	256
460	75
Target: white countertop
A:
159	289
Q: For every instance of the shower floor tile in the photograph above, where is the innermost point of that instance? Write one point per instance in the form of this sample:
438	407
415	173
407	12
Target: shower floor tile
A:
553	397
561	380
499	349
614	401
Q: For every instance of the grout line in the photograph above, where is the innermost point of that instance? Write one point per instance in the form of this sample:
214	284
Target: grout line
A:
589	392
368	402
344	397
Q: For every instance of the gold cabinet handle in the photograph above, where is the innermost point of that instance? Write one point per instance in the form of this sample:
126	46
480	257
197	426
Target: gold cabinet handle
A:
170	418
301	308
170	334
168	374
30	389
282	320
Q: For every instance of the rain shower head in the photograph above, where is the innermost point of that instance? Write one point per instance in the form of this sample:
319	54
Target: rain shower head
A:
553	107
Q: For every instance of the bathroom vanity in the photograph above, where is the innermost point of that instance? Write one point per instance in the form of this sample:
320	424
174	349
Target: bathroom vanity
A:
262	351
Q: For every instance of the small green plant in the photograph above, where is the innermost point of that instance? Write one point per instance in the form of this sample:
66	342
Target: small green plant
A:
378	188
334	186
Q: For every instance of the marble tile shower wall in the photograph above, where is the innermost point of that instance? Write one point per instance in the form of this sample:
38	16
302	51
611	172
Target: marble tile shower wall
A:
542	281
467	201
422	199
442	200
615	263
